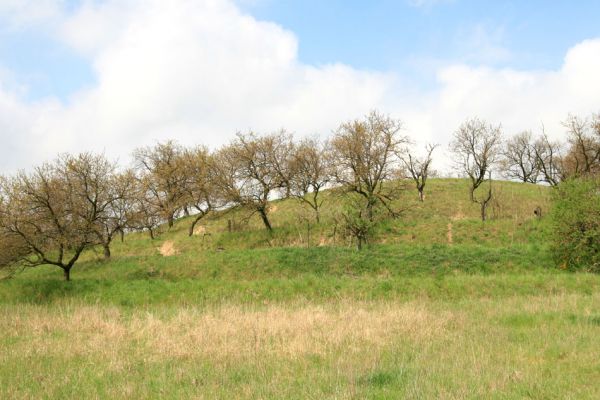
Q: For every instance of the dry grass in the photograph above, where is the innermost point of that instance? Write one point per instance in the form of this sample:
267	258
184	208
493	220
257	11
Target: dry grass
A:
199	230
168	249
280	332
224	333
521	347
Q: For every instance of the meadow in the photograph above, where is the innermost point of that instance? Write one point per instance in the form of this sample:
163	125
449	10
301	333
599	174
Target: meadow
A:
439	305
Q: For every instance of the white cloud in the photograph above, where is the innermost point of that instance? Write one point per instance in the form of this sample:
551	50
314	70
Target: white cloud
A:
198	71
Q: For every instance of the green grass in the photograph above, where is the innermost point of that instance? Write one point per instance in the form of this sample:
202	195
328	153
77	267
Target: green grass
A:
438	305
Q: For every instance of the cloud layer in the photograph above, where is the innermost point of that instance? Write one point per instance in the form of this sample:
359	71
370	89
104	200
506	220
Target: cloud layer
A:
198	71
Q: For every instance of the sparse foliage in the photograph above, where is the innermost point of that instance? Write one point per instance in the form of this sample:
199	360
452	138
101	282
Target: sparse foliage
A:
476	146
366	158
310	172
549	158
162	178
419	168
251	169
583	136
519	159
200	193
144	214
117	216
94	177
55	210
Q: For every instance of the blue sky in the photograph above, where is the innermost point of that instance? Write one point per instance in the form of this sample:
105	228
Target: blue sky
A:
390	34
386	35
111	75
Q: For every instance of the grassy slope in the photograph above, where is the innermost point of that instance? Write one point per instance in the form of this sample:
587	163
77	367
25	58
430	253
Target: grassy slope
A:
413	315
409	257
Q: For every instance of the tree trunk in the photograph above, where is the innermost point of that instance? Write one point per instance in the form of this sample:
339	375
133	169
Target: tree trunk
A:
484	203
193	225
359	243
370	211
334	232
171	221
106	247
67	274
122	235
265	219
151	233
421	195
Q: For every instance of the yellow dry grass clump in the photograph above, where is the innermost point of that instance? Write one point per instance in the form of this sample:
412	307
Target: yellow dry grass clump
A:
168	249
224	333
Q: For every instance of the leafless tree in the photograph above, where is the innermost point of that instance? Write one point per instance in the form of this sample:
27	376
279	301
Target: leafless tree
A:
310	171
117	216
144	214
549	159
583	157
12	247
418	168
12	250
162	176
519	159
250	171
365	157
54	210
200	193
476	146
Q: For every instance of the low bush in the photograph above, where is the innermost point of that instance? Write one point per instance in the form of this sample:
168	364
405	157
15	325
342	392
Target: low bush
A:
576	219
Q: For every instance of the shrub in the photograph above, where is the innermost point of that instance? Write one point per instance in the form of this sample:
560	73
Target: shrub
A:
576	222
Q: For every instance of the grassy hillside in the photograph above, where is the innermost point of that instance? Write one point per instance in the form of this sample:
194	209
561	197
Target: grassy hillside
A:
419	254
439	305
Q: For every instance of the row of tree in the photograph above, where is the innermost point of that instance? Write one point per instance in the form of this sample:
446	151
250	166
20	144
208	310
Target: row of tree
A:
52	214
479	147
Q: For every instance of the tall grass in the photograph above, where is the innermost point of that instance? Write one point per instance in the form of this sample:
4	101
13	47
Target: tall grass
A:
520	347
300	314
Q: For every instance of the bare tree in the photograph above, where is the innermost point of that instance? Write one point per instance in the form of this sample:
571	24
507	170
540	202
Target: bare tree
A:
418	168
595	124
310	172
12	247
117	216
519	159
200	193
54	210
549	159
476	146
161	172
250	170
144	214
365	156
583	157
12	250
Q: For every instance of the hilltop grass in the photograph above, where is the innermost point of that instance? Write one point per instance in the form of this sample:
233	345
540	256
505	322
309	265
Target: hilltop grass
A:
439	305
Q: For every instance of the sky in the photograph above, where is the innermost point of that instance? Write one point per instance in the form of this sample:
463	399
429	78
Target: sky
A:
112	75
